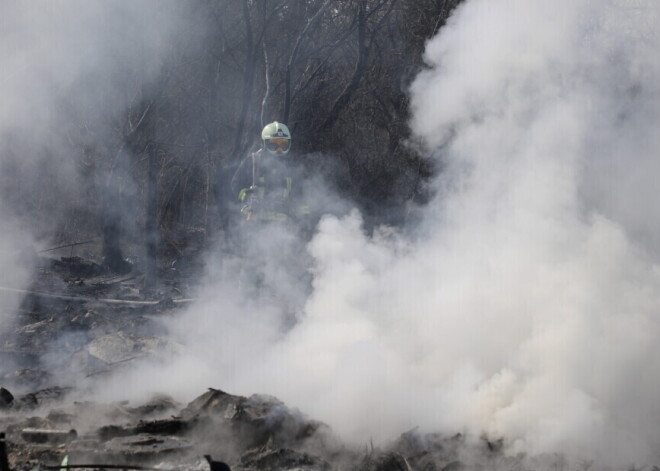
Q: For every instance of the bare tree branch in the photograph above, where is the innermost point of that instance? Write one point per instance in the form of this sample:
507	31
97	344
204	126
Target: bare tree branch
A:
360	68
292	59
248	82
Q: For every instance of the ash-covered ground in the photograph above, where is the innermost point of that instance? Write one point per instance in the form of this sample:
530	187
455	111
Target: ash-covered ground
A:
79	324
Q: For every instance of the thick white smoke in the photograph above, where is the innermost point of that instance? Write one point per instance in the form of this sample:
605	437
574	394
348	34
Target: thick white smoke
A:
548	116
527	308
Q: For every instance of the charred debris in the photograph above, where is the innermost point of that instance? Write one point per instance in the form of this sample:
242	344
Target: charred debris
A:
249	433
78	319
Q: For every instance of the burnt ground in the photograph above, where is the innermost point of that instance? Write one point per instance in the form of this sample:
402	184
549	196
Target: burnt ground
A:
110	320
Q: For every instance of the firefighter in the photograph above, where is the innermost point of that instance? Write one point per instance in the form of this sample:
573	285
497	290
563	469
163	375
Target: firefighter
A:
266	189
271	205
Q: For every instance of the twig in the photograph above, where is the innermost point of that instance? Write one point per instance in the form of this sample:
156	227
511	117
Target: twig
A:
68	245
101	466
89	299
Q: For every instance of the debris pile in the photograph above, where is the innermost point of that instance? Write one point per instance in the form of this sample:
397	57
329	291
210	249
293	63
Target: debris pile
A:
79	319
256	432
249	433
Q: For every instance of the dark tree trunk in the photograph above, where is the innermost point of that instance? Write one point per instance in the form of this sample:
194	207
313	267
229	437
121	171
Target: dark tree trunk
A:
151	222
360	68
113	257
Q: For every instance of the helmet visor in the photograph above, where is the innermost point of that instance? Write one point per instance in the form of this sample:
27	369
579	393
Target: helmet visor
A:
278	144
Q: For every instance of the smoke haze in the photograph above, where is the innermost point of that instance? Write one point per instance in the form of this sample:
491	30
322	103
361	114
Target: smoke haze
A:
69	69
525	304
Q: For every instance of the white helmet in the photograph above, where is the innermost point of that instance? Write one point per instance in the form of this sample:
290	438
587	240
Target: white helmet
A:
277	138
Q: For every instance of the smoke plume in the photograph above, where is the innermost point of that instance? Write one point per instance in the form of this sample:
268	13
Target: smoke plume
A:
525	306
546	117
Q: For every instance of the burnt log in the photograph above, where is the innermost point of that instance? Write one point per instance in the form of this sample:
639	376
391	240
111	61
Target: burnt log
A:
40	435
6	398
4	460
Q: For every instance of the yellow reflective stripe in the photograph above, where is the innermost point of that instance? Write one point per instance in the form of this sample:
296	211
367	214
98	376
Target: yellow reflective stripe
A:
242	195
270	216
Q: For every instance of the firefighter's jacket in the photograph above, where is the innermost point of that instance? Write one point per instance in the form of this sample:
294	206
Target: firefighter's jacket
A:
268	190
